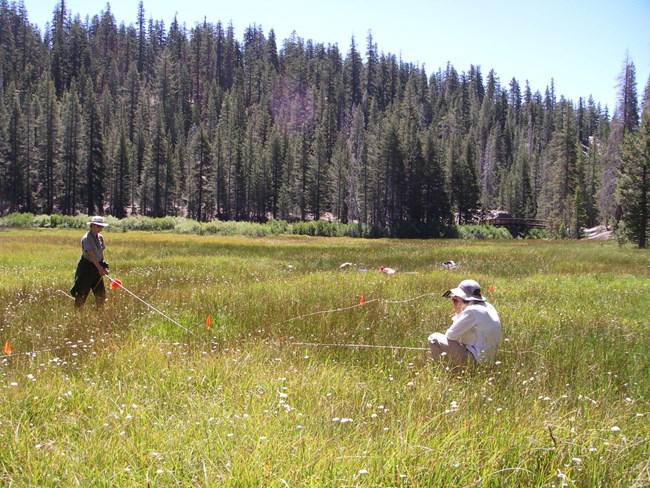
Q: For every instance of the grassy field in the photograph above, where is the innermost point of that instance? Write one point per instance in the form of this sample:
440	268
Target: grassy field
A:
124	397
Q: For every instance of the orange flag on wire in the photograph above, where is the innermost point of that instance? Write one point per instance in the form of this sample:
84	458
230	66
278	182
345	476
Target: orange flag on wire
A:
208	322
8	350
491	287
362	300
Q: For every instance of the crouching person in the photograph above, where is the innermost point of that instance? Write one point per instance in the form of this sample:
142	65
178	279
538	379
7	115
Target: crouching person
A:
475	331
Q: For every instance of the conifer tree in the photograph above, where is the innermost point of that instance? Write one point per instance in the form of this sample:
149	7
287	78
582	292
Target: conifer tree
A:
465	191
352	73
411	148
561	171
141	145
200	183
59	60
633	191
153	194
14	180
4	202
437	207
390	181
47	145
121	165
625	120
142	42
71	151
94	186
356	150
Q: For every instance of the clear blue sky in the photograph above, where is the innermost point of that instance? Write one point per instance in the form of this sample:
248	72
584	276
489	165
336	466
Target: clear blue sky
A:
580	44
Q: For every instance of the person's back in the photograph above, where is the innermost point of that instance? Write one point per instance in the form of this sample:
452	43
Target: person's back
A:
483	339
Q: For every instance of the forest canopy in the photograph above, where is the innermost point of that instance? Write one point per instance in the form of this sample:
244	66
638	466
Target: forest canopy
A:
138	118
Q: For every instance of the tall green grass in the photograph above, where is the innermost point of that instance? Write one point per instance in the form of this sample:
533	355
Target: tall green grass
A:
123	397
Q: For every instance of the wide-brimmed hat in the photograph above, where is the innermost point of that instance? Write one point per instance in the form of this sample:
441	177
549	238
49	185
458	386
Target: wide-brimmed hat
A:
98	220
468	290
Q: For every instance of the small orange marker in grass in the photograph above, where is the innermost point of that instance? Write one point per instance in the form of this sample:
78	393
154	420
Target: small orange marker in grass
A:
208	322
8	350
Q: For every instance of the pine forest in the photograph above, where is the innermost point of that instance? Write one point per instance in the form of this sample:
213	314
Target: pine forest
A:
120	119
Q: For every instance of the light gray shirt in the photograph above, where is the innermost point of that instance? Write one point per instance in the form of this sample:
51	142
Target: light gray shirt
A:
89	243
478	327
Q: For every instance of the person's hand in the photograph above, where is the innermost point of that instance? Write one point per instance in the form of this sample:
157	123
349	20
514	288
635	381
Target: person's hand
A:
457	304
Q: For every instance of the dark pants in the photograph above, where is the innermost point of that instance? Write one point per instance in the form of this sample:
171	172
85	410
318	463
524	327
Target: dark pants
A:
87	279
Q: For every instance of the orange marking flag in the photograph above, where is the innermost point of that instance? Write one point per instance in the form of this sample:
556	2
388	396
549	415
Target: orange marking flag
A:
8	350
208	322
362	300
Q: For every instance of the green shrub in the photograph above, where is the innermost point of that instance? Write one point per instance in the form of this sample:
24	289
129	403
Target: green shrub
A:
483	231
20	219
139	222
42	221
278	227
536	233
324	228
68	221
182	226
221	228
621	234
252	229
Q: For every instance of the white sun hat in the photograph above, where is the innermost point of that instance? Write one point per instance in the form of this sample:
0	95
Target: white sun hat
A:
468	290
98	220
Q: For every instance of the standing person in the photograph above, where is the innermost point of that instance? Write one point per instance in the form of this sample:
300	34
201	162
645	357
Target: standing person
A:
475	331
91	266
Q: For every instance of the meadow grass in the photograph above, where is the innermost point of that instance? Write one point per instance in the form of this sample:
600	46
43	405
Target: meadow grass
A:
123	397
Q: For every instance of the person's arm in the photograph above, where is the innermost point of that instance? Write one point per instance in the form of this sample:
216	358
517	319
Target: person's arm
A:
462	323
90	256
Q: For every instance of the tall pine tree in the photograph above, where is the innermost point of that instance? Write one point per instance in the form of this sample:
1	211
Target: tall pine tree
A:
633	192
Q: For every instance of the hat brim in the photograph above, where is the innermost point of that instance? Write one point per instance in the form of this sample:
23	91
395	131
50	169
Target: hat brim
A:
457	292
101	224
